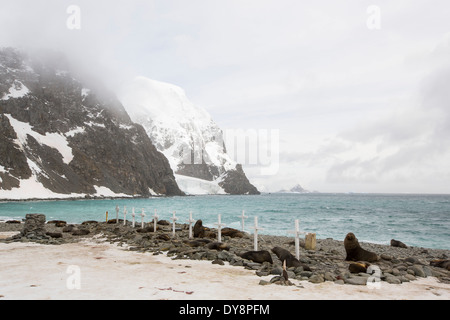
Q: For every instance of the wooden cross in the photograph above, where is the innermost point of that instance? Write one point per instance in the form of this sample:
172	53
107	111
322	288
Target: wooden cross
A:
155	221
297	233
133	215
142	218
243	217
174	218
255	239
219	225
190	221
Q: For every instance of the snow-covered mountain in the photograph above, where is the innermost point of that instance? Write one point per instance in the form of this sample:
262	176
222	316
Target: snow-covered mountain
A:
188	137
60	138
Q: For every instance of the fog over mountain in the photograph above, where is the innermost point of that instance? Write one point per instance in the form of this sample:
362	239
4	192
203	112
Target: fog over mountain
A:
358	109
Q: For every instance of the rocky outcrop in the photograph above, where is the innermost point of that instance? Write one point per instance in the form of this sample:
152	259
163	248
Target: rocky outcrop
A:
235	182
34	227
70	139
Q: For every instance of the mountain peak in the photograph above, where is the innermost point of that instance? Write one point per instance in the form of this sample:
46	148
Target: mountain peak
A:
186	134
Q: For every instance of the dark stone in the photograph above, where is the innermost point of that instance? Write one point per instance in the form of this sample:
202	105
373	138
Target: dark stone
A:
218	261
54	234
398	244
80	232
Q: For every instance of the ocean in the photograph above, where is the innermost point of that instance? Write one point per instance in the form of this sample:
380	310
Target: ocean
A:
416	220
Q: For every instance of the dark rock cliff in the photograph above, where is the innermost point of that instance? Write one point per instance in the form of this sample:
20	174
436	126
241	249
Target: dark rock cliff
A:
101	146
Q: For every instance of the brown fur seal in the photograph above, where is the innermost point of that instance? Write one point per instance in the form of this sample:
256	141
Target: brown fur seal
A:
201	232
441	264
257	256
291	261
232	233
355	252
196	243
218	246
358	267
398	244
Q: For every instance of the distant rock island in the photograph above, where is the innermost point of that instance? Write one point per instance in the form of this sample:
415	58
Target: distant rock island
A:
296	189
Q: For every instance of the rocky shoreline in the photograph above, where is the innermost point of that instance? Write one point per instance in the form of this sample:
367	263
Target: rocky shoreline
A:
326	263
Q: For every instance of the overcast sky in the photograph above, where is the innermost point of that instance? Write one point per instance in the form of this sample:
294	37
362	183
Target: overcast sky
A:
359	108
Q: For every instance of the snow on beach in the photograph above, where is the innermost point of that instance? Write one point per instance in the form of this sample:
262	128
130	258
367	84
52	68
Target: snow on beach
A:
106	271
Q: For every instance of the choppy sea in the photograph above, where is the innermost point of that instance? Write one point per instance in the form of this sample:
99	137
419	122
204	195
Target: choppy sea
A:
417	220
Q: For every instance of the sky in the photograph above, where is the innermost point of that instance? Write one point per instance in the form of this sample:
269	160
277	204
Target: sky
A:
356	92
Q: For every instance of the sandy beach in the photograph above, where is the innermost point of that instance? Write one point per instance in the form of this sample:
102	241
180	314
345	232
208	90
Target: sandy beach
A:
94	269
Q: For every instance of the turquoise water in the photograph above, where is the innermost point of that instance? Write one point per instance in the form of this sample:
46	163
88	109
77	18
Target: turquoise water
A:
417	220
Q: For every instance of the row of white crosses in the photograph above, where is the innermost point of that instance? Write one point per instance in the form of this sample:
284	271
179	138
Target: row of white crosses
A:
133	215
219	225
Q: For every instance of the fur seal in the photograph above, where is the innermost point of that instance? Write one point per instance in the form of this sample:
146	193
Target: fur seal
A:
355	252
358	267
291	261
202	232
441	264
257	256
218	246
196	243
398	244
89	222
232	233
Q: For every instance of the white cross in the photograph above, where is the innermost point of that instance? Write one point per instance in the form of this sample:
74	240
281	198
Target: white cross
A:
255	240
190	221
243	217
133	215
219	225
117	214
174	218
142	218
124	215
297	233
155	221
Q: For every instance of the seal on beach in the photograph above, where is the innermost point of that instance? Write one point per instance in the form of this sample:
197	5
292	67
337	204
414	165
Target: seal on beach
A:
291	261
202	232
218	246
358	267
257	256
232	233
355	252
441	264
196	243
398	244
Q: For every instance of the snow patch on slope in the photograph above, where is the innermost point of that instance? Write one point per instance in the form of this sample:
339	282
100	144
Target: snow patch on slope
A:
17	90
53	140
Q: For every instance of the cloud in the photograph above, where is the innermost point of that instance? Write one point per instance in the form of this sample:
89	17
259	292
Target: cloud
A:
355	107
